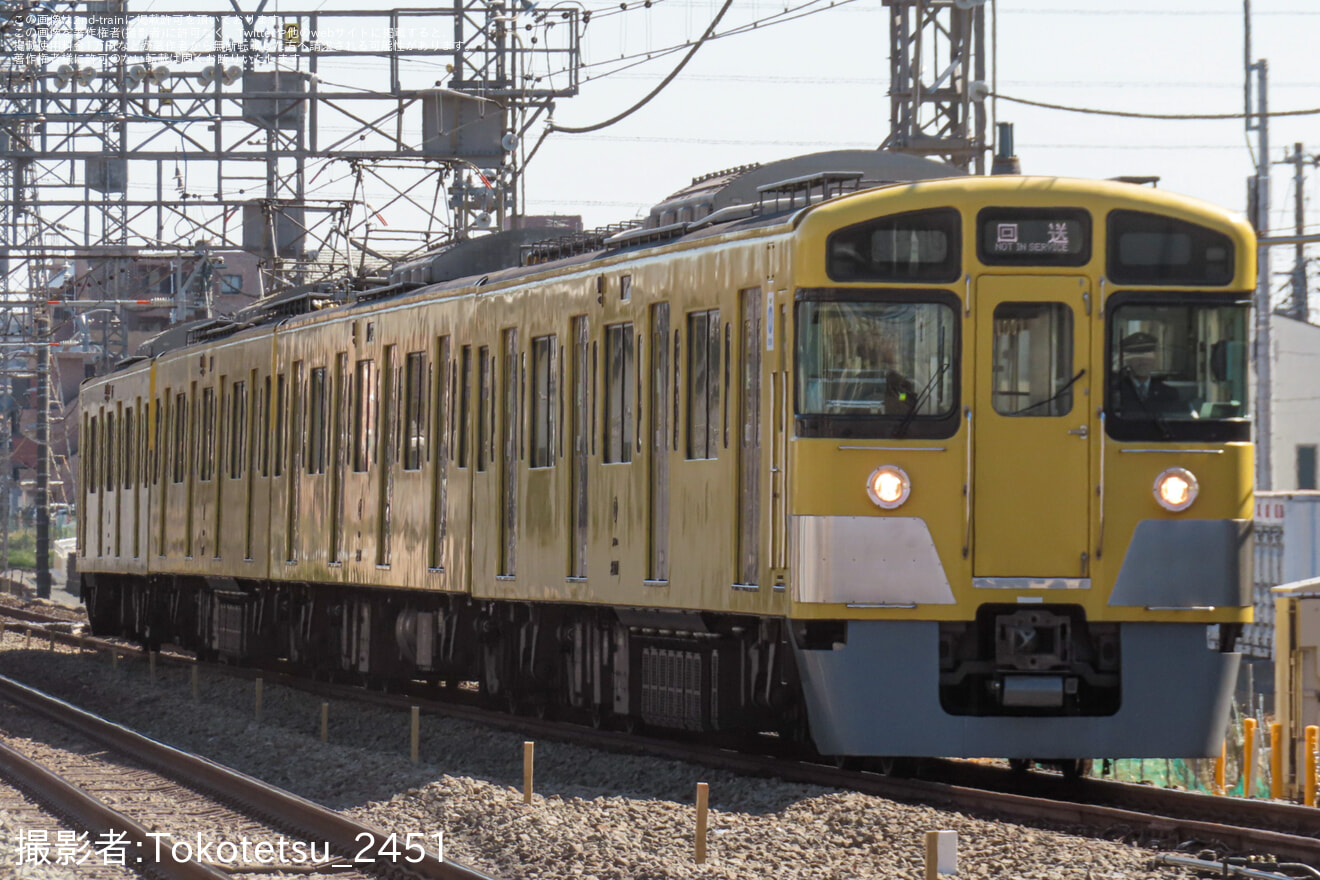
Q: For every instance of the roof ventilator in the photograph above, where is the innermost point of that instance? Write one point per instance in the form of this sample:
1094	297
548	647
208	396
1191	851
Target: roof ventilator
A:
829	184
374	293
645	235
572	245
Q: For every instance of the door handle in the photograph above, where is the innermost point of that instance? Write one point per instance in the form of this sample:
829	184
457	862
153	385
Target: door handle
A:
1080	432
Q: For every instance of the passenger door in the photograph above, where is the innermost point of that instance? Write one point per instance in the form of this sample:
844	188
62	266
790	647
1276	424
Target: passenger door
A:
1031	432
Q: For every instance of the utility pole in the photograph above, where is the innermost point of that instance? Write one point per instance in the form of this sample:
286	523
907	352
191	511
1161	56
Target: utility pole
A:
937	81
1299	307
1258	192
41	334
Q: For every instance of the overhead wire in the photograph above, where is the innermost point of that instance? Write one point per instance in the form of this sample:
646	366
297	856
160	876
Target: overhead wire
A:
582	129
1132	114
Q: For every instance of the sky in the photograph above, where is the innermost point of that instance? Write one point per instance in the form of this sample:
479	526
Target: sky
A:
813	75
821	82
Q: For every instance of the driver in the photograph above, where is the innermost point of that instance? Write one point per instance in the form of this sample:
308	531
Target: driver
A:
1140	392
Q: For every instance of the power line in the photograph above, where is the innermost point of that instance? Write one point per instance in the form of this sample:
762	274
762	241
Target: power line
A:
646	100
1129	114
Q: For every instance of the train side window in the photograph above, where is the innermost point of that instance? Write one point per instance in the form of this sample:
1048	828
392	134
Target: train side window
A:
263	426
388	415
594	394
93	475
206	454
620	391
158	455
544	393
108	470
1032	357
130	450
464	405
180	435
281	418
316	421
364	399
677	386
237	429
919	246
728	359
414	410
297	426
483	403
703	389
555	356
144	456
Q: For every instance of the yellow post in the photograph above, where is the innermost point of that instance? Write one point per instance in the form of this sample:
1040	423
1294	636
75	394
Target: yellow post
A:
325	722
1308	761
260	683
1220	786
1248	756
1276	760
703	794
415	737
529	749
196	686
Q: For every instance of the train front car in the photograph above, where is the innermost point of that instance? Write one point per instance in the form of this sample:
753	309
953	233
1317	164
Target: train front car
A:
1021	481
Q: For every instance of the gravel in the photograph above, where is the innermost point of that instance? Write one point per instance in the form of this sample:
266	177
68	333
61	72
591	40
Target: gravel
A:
595	814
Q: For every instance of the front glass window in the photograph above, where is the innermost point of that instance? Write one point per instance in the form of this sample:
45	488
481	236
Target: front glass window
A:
917	247
1033	359
1178	370
876	366
1154	249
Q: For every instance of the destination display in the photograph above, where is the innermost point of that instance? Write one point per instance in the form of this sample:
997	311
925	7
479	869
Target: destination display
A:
1034	237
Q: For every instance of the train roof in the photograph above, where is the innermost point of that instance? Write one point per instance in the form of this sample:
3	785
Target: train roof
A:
742	199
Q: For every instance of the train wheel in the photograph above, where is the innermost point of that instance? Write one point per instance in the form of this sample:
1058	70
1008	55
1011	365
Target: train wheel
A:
1075	769
898	768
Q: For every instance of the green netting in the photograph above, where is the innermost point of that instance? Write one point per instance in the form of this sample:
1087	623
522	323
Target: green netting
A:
1198	774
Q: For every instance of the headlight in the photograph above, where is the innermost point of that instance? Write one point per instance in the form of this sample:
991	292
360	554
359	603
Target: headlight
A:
888	486
1175	489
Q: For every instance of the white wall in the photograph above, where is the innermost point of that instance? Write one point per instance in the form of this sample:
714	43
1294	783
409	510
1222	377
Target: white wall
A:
1295	395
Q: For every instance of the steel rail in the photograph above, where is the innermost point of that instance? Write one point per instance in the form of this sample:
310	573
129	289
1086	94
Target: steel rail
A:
299	814
950	784
91	814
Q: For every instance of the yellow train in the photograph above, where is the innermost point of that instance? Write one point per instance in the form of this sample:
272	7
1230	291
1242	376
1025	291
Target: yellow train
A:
950	467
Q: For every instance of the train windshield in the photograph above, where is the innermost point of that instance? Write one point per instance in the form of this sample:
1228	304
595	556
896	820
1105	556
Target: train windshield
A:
1178	370
876	366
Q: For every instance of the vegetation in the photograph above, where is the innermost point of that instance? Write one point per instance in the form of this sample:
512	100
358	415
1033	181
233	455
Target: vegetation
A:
23	547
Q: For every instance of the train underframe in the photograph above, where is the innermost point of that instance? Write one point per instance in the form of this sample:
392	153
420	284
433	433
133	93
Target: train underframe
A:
1039	684
668	669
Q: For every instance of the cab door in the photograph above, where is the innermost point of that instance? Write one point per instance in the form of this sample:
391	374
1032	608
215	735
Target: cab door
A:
1031	431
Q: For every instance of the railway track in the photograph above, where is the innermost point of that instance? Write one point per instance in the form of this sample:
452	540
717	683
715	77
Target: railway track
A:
1229	825
33	835
213	821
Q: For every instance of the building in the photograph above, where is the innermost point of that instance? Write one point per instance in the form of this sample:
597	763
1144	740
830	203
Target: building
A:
1294	403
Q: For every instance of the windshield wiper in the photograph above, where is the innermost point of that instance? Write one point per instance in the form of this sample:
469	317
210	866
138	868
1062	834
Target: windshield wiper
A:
1055	396
921	398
